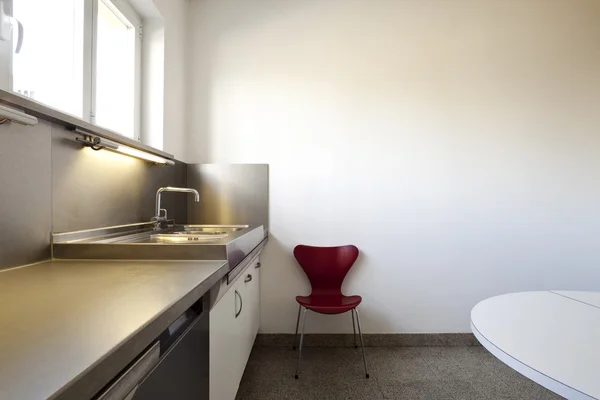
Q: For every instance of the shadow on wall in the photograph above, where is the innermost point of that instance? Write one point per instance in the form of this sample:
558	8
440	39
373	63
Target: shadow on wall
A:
285	279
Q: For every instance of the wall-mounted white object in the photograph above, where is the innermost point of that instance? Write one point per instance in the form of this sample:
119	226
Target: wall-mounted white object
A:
7	22
99	143
7	113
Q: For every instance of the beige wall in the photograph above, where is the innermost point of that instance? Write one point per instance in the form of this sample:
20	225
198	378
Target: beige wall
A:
455	142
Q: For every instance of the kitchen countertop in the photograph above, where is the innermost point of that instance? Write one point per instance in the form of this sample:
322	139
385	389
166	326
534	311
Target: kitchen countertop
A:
67	327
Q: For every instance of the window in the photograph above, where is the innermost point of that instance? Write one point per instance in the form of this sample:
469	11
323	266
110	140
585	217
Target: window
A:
49	65
117	58
82	57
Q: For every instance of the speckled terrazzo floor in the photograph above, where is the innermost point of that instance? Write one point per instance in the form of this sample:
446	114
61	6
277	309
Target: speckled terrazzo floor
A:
336	373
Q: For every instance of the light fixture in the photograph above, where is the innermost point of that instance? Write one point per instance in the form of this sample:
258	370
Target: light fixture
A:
10	114
130	151
98	143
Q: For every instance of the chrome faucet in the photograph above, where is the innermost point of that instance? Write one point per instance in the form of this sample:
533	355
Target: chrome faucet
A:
158	217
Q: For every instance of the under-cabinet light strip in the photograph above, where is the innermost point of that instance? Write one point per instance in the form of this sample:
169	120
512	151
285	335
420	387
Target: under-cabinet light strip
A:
7	113
99	143
130	151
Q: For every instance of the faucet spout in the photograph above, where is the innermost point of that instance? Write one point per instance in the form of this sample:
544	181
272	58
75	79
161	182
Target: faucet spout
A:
157	215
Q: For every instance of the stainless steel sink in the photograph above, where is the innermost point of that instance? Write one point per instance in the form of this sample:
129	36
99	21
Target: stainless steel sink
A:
188	237
141	241
217	229
179	242
192	234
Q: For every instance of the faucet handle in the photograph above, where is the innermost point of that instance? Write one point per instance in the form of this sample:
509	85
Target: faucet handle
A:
159	219
160	212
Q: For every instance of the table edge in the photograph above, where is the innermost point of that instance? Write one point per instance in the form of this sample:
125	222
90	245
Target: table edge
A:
529	372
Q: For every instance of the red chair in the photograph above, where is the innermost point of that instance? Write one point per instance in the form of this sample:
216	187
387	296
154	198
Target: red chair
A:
326	268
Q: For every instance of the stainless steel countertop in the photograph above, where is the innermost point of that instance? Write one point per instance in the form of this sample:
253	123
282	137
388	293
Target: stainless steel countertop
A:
69	326
135	242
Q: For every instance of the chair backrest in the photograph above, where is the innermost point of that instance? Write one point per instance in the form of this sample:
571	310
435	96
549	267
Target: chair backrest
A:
326	267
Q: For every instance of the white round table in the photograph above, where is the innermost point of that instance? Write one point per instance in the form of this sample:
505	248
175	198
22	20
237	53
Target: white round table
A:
551	337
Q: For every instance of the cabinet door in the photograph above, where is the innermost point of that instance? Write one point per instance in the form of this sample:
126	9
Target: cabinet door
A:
234	323
224	347
250	315
240	357
254	297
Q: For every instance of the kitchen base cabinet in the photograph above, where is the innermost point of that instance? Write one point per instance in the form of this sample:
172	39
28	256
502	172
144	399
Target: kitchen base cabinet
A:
223	344
234	322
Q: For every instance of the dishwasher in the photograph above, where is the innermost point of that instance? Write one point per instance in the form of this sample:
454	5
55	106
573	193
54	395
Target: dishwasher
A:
175	366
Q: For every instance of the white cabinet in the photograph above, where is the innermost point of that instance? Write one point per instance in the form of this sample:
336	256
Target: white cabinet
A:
253	295
234	324
249	289
223	347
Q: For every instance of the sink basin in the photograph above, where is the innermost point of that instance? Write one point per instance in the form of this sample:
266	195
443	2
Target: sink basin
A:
188	237
213	229
141	241
198	233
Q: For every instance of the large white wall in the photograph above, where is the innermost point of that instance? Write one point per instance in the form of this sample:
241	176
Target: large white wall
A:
455	142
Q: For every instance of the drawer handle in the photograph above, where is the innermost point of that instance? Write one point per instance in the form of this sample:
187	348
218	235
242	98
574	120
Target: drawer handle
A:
257	265
248	278
241	303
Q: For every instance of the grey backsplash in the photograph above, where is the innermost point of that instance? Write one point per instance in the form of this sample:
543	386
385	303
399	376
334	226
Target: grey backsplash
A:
229	194
25	193
50	183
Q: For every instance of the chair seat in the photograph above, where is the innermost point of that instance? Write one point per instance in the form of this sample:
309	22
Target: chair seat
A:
329	304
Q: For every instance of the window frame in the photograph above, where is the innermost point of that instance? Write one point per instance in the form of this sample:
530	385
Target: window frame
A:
129	17
90	32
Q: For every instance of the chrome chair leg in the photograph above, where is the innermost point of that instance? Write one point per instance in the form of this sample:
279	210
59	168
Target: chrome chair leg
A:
297	323
301	341
354	329
362	343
